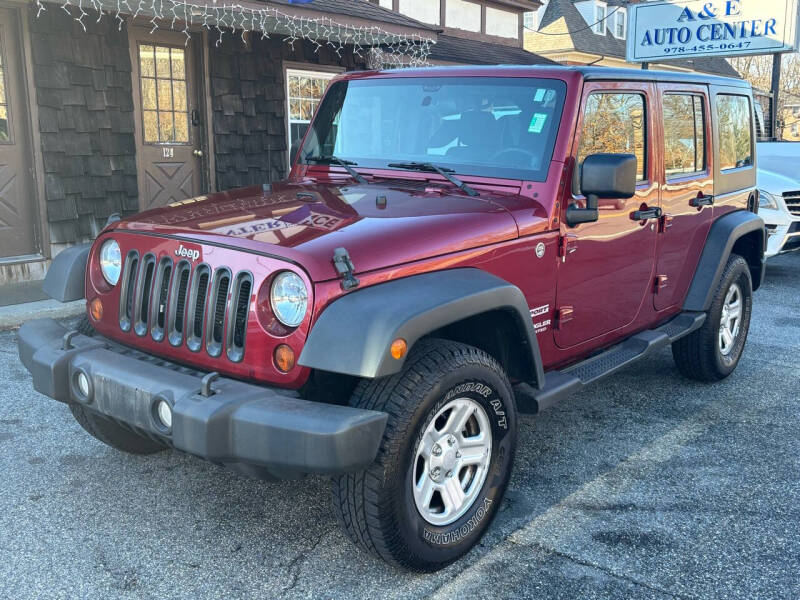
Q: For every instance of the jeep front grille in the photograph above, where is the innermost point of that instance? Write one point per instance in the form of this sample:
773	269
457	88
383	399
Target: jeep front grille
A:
792	200
196	306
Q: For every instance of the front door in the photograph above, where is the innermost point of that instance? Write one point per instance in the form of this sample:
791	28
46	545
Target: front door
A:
169	139
606	273
687	195
17	204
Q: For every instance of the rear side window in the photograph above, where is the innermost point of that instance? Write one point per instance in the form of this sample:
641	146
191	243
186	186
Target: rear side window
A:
735	132
615	123
684	135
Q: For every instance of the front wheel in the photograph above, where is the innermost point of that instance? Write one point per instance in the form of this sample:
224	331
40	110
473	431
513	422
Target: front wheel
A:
712	352
111	434
444	462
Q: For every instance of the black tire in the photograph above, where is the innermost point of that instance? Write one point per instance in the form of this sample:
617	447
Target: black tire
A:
84	326
698	355
112	434
376	507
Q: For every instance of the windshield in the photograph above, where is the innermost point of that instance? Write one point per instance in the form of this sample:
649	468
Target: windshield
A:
486	126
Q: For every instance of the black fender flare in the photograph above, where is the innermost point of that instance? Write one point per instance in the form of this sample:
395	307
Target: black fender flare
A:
65	279
354	333
722	237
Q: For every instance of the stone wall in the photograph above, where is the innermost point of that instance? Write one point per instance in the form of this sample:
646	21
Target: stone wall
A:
85	103
249	104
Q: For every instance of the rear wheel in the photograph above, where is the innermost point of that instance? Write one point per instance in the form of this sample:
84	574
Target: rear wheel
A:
113	435
444	462
712	352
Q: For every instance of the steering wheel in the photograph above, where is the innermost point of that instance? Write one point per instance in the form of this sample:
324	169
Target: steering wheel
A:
521	151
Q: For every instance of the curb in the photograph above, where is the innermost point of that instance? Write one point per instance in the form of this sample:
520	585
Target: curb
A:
11	317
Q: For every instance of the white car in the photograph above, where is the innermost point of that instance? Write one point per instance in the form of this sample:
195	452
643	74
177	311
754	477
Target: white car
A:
779	194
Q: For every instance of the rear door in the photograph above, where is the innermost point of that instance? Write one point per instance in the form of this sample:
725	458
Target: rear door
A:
687	195
607	268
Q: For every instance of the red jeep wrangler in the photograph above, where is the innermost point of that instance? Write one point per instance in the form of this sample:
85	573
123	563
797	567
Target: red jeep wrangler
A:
453	246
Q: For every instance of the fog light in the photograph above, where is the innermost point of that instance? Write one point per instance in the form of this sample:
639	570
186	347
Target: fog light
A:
96	309
83	384
164	412
284	358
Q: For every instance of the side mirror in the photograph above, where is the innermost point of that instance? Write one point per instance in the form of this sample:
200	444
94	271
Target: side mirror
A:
603	176
294	150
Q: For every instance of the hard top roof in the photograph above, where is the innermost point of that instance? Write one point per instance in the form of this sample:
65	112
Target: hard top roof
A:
587	72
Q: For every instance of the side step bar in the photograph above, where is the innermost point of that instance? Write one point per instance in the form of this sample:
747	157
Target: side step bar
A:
560	384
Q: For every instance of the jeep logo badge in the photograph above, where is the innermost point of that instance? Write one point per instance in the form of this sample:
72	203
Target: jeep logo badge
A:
187	253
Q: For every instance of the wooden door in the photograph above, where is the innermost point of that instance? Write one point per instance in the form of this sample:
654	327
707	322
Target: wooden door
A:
169	139
17	203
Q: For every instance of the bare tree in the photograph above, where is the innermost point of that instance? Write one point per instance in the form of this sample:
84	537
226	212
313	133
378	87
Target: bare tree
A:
758	71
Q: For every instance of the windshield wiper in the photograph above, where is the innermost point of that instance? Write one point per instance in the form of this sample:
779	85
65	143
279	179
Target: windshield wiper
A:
346	164
432	168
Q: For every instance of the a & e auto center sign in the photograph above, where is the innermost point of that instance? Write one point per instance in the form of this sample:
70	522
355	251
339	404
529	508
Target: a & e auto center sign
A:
686	28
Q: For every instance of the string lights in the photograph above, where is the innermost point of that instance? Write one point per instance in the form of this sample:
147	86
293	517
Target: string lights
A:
380	47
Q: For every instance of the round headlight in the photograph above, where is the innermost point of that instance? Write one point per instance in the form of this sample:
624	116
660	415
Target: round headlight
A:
289	299
110	261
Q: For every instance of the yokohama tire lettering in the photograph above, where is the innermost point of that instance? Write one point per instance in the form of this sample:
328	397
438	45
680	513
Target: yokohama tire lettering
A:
458	534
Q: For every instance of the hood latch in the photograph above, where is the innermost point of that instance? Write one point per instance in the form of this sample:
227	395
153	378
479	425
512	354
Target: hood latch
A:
345	268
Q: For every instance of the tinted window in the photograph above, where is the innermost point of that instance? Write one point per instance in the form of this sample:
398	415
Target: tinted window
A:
614	123
495	127
735	141
684	135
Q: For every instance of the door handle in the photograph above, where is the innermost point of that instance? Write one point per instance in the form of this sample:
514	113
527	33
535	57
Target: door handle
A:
647	213
195	117
198	153
702	200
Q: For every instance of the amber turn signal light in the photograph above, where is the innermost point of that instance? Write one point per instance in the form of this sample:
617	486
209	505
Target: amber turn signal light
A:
96	309
284	358
398	349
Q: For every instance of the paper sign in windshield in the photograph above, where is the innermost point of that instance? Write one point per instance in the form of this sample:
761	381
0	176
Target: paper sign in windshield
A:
537	123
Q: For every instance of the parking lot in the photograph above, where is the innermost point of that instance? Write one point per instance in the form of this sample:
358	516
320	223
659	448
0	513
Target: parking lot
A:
645	486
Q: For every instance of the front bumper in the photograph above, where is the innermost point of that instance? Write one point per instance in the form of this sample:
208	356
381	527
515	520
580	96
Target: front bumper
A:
783	238
263	431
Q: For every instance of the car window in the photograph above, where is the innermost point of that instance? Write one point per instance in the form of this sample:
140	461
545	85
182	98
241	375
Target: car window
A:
684	135
615	123
496	127
735	131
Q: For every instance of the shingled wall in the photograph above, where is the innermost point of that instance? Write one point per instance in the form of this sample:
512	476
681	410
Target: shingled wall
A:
249	104
83	92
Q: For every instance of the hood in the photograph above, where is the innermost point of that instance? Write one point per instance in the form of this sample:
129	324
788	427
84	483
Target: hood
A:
779	158
776	183
381	223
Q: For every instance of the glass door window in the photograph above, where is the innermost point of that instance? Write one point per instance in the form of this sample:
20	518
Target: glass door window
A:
165	110
305	90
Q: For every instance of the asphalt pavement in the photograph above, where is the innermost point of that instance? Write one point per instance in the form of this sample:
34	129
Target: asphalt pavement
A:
645	486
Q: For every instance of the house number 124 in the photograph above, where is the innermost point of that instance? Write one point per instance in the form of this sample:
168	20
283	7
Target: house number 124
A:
169	152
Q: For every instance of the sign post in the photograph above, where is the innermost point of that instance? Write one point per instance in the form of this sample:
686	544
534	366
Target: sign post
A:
661	31
776	90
